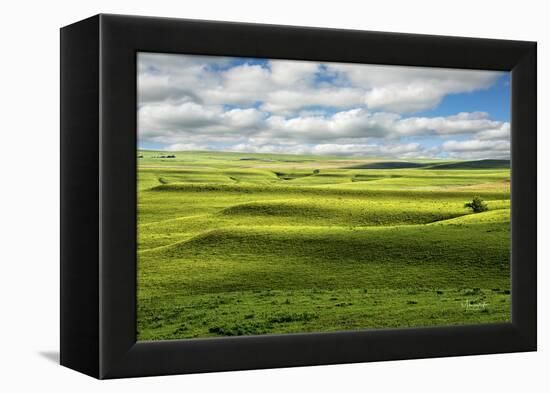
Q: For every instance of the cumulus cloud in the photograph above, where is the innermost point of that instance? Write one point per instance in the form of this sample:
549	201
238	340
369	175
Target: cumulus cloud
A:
476	148
411	89
400	150
190	118
462	123
409	150
502	132
283	85
187	147
207	102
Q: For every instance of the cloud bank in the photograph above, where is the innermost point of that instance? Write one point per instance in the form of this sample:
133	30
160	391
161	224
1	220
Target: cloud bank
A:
279	106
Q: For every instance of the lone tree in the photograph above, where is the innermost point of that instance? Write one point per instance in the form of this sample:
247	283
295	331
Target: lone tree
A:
477	205
316	171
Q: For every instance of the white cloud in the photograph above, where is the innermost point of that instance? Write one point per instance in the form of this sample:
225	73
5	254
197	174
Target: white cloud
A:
475	148
290	73
412	89
409	150
158	120
284	86
462	123
177	122
286	101
502	132
360	123
206	102
271	148
187	147
168	77
368	150
243	118
407	98
475	145
355	123
468	149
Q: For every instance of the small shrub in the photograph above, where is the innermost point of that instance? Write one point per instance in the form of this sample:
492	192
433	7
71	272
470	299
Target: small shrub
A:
477	205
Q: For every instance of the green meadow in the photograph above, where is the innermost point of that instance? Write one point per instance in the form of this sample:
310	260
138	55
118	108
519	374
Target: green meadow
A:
244	244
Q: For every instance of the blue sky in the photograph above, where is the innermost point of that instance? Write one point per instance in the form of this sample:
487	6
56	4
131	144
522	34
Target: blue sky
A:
280	106
494	100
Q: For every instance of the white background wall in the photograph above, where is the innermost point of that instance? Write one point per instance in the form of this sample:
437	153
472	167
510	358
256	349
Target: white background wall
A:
29	194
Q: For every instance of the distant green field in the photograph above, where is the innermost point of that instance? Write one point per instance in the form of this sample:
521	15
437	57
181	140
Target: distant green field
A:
243	244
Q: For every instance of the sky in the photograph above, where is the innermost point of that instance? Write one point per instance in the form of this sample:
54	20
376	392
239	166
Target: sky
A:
188	102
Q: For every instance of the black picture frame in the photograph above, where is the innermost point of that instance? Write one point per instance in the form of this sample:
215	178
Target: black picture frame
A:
98	195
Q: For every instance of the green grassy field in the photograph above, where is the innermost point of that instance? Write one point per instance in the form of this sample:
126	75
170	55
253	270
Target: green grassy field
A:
239	244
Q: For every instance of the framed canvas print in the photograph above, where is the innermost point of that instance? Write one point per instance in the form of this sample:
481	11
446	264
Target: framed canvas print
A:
239	196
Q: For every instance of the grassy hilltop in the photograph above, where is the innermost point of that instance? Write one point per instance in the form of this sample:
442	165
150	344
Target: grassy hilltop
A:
240	243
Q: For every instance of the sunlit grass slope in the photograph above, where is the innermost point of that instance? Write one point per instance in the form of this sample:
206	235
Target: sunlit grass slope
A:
238	244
